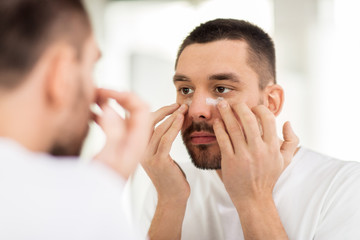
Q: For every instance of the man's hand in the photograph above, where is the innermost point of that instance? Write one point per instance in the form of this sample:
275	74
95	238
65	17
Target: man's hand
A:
169	180
252	161
166	175
126	139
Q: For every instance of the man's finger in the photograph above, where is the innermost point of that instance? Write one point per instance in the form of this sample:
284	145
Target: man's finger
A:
168	138
127	100
133	104
249	123
268	123
161	113
232	125
289	146
158	133
223	138
163	128
137	108
112	125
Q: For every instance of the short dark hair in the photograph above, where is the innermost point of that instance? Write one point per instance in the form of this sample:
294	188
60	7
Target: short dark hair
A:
261	47
28	27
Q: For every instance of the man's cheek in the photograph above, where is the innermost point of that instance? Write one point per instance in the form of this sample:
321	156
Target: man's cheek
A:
179	99
186	123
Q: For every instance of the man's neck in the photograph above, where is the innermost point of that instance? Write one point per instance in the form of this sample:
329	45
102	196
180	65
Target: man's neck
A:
23	121
219	173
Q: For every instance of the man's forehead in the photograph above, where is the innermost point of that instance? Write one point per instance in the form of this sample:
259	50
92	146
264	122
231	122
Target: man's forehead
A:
218	60
217	54
216	46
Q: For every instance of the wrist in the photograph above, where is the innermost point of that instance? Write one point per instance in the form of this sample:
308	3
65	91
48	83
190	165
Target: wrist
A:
176	197
260	218
172	202
168	219
254	203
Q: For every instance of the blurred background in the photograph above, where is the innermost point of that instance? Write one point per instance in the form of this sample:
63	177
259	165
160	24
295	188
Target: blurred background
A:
318	50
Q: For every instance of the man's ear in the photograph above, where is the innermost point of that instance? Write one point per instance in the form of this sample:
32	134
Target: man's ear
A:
274	98
59	75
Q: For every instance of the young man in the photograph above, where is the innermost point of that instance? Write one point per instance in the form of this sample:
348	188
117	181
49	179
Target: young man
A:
47	55
245	185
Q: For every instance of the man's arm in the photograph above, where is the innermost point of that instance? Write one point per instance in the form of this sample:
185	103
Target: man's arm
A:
252	161
172	188
167	220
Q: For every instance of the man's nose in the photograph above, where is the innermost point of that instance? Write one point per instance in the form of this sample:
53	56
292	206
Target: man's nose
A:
199	110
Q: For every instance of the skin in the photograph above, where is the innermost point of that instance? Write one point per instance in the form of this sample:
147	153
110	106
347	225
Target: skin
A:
252	159
60	89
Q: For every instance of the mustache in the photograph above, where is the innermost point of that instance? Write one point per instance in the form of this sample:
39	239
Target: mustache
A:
197	127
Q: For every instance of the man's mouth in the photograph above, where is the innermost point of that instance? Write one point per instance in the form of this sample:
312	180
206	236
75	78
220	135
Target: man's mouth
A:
198	138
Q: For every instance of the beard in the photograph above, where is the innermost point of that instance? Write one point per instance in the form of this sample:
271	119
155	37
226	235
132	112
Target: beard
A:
203	156
75	128
70	146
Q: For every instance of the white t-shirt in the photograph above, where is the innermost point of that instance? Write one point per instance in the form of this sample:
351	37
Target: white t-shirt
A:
43	197
317	197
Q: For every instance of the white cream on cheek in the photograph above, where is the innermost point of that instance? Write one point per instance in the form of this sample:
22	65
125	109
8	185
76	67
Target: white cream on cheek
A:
208	101
212	101
188	102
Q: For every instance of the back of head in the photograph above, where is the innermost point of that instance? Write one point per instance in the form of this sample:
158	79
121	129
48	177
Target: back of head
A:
29	27
261	49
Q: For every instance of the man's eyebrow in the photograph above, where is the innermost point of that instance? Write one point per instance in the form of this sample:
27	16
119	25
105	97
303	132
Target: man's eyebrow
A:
217	77
225	76
180	78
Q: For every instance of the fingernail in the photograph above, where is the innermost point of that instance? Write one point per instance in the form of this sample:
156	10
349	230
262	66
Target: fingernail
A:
223	104
183	107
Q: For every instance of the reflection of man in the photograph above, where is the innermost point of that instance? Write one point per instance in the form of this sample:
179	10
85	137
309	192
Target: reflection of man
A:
225	75
47	54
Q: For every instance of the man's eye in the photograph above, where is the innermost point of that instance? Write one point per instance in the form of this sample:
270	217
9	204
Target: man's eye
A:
186	91
222	89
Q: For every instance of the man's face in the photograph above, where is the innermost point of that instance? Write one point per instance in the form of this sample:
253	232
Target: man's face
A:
82	95
204	73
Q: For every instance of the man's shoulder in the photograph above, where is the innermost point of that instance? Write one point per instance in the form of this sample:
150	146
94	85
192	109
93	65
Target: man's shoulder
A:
333	195
315	164
23	170
37	188
315	174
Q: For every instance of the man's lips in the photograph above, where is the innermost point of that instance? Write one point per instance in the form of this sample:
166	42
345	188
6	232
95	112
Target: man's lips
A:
202	138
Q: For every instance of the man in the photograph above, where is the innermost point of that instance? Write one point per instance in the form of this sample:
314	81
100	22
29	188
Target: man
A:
245	186
47	55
